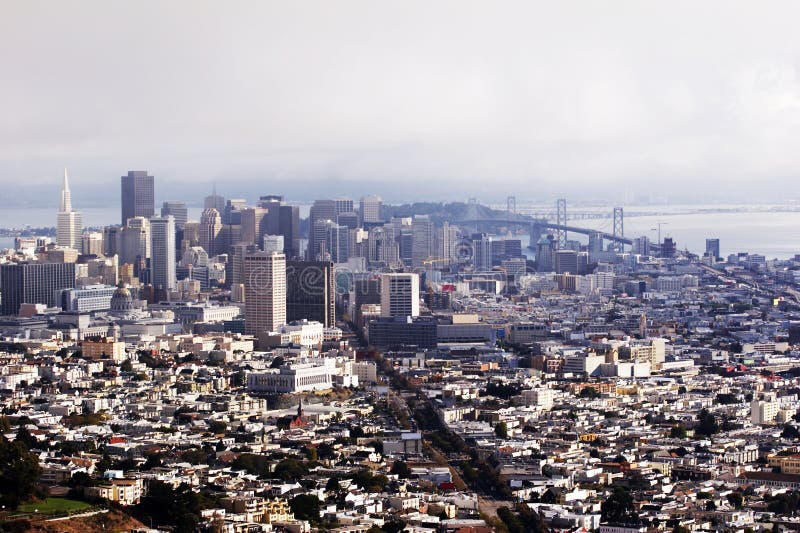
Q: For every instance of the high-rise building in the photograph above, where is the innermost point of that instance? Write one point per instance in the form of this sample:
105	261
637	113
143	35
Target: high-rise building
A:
210	229
138	195
481	252
595	243
370	209
545	254
566	262
265	292
253	224
273	244
343	205
162	249
310	292
69	224
179	212
133	243
214	201
337	242
320	211
400	294
92	243
422	230
33	283
447	244
712	248
289	227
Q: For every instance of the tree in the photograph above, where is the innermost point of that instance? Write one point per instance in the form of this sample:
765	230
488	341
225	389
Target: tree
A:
305	507
501	430
25	437
217	426
126	366
401	469
332	485
19	473
707	424
619	507
677	432
736	500
790	432
290	470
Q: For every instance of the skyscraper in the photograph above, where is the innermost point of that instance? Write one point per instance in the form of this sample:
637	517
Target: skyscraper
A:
321	211
68	222
423	232
162	250
370	209
138	195
400	294
265	292
310	292
178	210
214	201
712	248
210	228
33	283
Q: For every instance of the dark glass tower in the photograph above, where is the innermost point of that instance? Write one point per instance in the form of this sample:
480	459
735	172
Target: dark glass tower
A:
138	195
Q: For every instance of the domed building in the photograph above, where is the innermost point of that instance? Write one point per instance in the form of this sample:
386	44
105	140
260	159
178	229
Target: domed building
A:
122	300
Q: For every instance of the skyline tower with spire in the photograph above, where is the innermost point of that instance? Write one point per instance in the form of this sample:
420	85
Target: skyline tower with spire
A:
69	223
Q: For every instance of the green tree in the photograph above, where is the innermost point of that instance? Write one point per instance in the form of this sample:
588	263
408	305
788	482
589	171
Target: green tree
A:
217	426
707	424
736	500
305	507
19	473
290	470
401	469
678	432
619	507
501	430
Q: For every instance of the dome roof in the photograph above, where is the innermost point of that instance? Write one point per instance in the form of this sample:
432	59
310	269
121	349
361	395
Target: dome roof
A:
122	300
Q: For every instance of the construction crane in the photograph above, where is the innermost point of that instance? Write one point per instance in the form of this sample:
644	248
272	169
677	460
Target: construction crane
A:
429	262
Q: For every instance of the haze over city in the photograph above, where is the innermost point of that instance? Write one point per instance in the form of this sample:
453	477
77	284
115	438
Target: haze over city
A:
466	98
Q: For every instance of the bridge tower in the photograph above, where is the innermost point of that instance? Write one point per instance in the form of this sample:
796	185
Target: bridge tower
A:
561	220
619	228
511	204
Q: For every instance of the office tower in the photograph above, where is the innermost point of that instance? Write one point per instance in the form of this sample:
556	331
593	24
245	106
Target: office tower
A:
284	220
422	230
641	245
382	247
162	249
596	243
133	243
545	254
348	218
273	244
92	243
566	262
232	212
289	227
310	292
446	244
481	252
400	294
337	242
33	283
239	251
178	211
320	211
712	248
668	247
253	224
214	201
370	209
265	292
111	236
210	228
343	205
138	195
68	222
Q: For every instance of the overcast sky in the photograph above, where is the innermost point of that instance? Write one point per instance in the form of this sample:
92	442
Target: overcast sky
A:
404	96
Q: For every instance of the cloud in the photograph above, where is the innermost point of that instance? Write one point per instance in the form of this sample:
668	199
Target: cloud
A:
466	95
